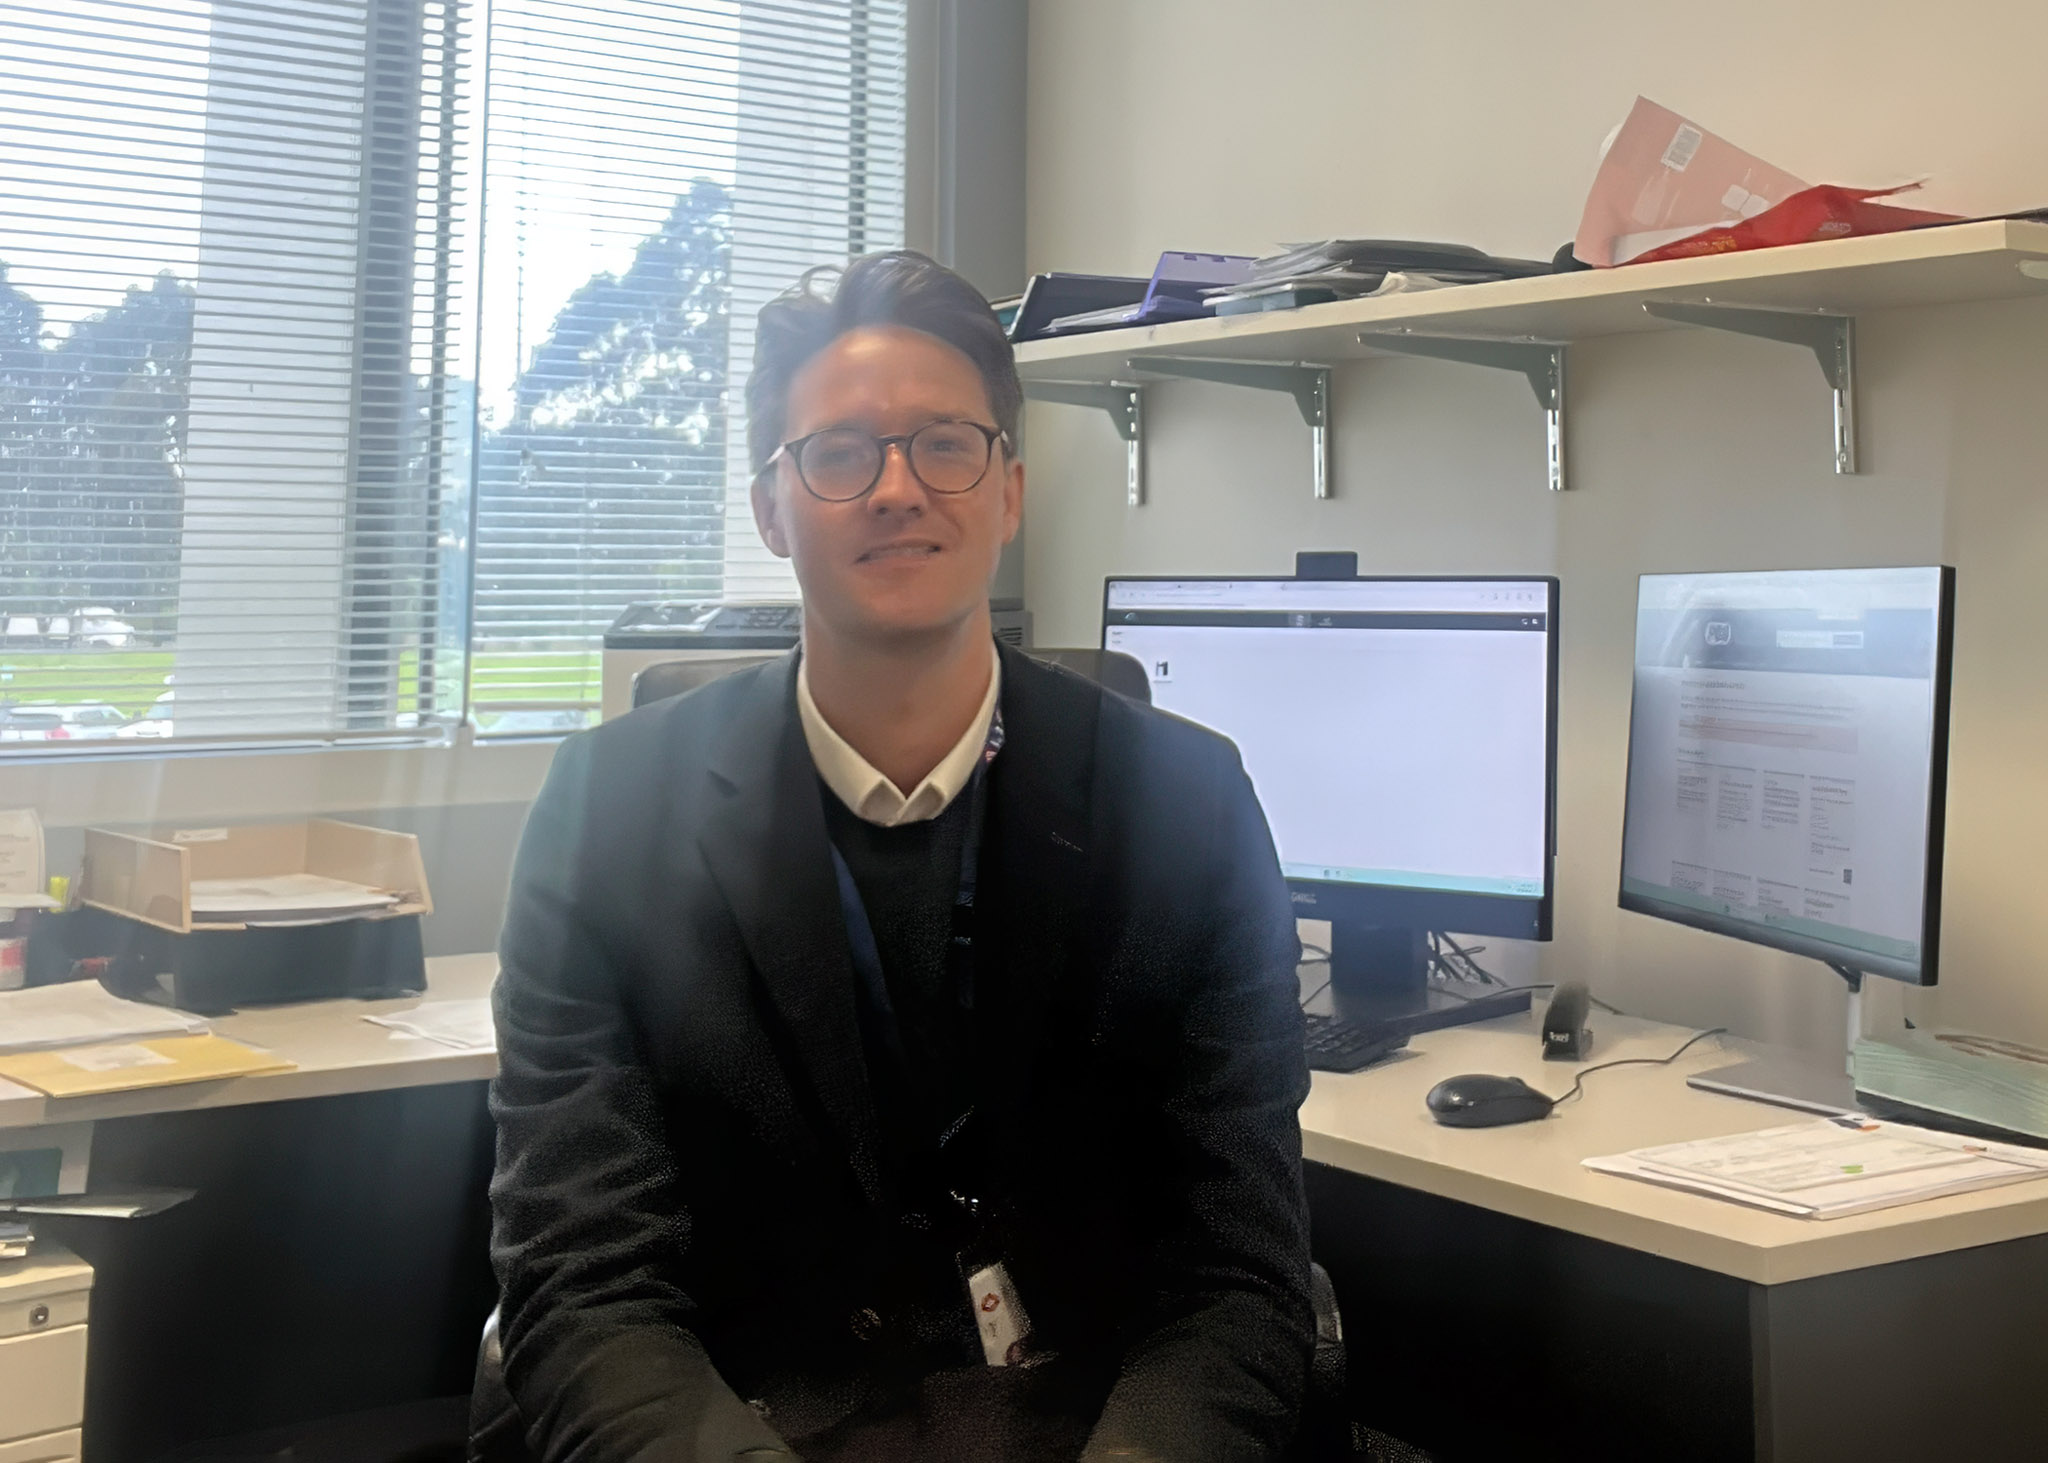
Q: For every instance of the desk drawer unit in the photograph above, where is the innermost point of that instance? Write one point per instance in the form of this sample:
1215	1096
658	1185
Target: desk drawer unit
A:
43	1306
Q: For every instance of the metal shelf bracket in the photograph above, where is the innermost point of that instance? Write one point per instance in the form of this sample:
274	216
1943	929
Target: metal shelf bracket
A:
1125	403
1831	338
1308	385
1541	361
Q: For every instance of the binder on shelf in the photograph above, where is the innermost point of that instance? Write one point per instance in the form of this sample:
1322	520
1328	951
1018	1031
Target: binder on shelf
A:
1178	290
1050	296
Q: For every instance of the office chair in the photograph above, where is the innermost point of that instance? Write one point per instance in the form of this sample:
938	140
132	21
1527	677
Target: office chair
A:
668	678
1112	668
497	1433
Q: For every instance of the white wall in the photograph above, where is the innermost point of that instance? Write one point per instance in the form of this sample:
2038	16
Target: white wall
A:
1195	124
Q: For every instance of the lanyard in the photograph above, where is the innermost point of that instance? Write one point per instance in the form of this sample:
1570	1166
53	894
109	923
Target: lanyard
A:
860	932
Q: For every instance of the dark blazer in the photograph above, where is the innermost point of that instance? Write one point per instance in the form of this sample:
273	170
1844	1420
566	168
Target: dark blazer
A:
689	1197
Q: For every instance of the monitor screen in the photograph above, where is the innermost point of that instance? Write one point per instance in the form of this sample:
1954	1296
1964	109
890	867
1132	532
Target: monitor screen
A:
1787	758
1398	731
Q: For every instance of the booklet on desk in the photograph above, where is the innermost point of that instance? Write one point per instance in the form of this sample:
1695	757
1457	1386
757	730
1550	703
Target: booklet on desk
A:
167	1061
1829	1167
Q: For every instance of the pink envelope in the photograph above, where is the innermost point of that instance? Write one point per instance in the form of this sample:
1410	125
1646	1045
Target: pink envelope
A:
1665	178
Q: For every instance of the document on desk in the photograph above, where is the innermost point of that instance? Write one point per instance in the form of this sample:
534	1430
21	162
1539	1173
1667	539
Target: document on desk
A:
165	1061
1830	1167
465	1025
80	1013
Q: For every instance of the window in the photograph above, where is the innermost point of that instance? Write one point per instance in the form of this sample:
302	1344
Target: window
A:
654	173
226	236
360	360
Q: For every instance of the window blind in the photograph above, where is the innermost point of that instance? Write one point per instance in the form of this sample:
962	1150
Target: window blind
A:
654	172
229	438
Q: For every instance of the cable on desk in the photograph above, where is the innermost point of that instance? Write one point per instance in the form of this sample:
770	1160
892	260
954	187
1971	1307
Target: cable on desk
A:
1697	1037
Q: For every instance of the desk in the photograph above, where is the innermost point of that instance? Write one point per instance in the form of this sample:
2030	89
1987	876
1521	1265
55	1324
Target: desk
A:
335	1256
1504	1301
1500	1300
335	1050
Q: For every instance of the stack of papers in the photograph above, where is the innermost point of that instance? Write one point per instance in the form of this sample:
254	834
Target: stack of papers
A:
284	899
465	1025
81	1013
1347	269
15	1238
1831	1166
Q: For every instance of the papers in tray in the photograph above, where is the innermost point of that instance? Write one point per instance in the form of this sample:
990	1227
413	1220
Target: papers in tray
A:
280	899
81	1013
465	1025
1830	1167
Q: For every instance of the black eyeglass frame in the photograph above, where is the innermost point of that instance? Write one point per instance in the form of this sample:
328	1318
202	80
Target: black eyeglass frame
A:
794	447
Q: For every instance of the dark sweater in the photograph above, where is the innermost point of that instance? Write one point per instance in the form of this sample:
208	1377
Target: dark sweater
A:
908	877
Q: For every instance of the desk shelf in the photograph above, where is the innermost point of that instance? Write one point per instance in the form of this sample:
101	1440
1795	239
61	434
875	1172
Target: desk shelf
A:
1805	294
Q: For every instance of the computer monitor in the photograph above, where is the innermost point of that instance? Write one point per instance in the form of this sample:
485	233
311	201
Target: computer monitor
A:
1787	768
1401	736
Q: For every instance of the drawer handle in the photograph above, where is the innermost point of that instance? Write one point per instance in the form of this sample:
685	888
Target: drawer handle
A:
39	1316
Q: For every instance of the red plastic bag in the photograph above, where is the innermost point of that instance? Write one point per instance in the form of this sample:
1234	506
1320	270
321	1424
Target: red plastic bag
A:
1825	212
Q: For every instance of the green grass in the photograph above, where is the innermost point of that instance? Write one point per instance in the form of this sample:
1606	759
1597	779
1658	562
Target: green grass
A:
129	679
535	675
132	679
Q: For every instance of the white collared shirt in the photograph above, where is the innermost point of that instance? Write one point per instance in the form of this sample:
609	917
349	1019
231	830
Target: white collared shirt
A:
871	796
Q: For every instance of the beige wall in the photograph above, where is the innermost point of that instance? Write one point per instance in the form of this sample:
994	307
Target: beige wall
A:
1186	124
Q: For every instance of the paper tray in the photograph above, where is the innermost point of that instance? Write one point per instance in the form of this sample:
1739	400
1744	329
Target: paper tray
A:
148	877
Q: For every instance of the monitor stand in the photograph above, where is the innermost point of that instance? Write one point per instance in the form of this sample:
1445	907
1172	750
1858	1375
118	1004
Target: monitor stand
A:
1789	1081
1379	979
1783	1082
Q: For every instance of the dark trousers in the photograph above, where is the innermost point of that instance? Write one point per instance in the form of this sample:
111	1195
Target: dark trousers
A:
983	1414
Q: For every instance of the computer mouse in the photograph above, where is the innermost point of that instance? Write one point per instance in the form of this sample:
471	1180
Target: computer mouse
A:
1479	1101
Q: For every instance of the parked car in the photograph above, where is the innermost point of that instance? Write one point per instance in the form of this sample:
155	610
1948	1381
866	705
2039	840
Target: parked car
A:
531	721
98	625
49	721
155	722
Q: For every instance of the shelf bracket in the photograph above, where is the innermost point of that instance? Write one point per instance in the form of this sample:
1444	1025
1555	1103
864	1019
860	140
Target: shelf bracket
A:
1125	403
1308	385
1831	338
1541	361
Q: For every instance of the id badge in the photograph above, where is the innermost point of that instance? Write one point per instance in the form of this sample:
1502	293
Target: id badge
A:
998	1316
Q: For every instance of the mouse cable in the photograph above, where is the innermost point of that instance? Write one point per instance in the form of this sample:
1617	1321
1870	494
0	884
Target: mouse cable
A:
1697	1037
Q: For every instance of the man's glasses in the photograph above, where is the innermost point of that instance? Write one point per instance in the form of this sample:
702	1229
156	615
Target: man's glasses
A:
840	464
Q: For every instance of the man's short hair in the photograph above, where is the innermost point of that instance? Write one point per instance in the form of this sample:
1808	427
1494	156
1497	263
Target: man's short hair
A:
901	287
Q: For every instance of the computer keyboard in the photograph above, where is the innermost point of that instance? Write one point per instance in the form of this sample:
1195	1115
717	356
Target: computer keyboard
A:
1337	1045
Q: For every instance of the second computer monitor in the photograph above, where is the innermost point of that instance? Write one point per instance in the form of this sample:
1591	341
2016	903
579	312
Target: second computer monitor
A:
1788	759
1400	733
